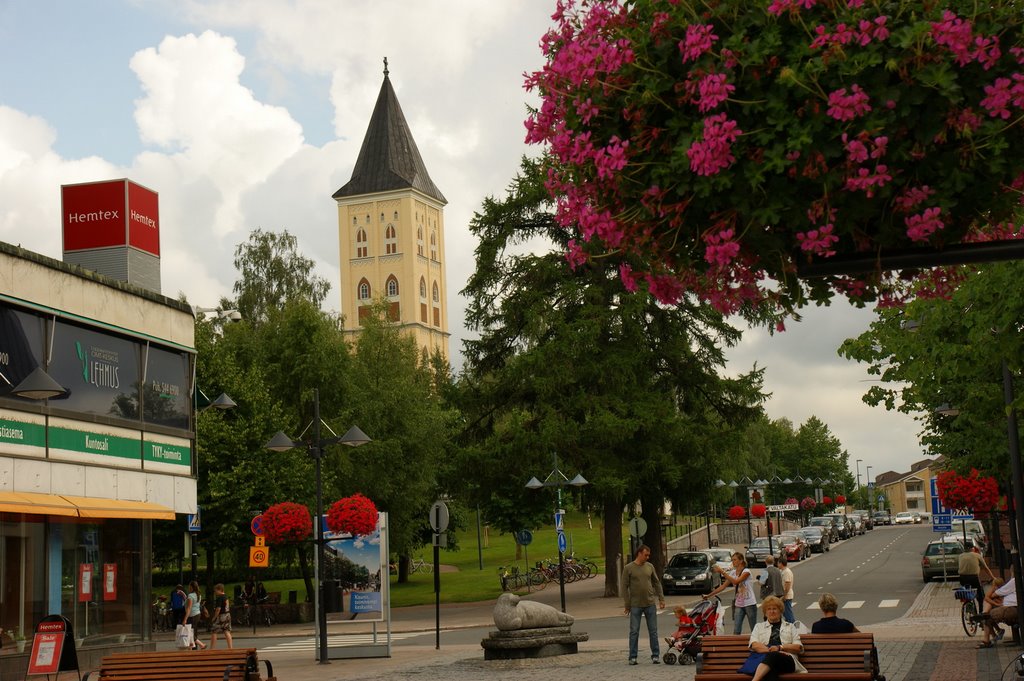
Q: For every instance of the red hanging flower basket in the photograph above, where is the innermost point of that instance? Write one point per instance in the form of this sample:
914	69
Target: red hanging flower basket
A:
737	513
840	499
808	503
355	515
967	492
287	523
826	501
758	510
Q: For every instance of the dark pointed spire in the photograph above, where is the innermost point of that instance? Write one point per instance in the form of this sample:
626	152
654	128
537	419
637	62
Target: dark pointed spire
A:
388	159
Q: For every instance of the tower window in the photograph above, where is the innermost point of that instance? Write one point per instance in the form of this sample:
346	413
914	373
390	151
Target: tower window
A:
433	245
382	217
423	288
362	250
392	286
437	293
419	244
390	240
364	290
396	215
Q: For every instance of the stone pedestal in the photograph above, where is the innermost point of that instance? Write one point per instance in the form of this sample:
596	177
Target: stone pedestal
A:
527	643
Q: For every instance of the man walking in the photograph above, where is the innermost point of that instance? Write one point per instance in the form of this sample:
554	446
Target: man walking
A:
640	586
787	590
969	568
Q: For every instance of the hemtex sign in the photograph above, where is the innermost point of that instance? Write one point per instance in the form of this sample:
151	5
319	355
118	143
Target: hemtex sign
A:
110	214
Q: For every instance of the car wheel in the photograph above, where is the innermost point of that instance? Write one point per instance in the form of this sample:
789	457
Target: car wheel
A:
925	578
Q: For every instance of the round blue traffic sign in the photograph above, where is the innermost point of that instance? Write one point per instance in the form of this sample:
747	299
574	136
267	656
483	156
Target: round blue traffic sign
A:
562	544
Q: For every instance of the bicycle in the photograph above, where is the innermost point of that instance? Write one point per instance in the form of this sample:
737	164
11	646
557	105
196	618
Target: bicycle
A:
969	608
420	565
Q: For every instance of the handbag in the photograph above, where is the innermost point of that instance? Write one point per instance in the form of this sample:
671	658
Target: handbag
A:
750	666
204	612
183	637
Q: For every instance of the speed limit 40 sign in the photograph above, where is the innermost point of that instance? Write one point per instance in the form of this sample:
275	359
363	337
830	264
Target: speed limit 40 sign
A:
259	556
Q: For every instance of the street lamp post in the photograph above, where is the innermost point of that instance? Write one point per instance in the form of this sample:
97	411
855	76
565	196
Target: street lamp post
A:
858	473
282	443
558	480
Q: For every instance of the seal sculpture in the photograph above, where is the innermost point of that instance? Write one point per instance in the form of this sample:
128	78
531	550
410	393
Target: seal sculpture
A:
511	613
529	629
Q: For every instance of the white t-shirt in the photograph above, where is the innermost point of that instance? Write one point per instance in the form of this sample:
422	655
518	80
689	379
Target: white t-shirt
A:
1009	593
787	576
744	591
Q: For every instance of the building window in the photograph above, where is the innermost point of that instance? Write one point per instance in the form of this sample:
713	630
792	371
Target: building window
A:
362	249
419	240
396	216
367	218
437	295
423	288
392	286
433	245
355	220
390	240
382	217
364	290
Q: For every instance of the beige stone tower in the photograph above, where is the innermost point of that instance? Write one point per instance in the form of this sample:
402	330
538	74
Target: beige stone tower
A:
391	231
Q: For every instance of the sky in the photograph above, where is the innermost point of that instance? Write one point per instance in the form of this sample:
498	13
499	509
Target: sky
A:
246	114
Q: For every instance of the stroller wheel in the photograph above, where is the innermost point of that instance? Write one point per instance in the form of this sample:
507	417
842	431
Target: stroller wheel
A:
669	658
686	658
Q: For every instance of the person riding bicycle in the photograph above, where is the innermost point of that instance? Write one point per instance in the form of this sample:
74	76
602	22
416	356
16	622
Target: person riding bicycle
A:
969	568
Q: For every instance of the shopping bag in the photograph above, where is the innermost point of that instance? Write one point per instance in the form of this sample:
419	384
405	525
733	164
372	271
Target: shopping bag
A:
183	636
720	620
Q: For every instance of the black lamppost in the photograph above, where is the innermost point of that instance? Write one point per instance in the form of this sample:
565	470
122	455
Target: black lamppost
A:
314	447
558	480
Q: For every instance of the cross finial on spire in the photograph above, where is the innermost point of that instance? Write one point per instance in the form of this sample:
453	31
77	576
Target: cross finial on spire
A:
385	67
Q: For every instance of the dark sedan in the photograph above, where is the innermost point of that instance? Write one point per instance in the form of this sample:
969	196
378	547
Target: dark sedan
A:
690	571
758	550
819	539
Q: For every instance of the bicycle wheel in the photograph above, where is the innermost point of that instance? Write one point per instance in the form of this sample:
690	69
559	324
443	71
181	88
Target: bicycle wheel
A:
967	617
538	580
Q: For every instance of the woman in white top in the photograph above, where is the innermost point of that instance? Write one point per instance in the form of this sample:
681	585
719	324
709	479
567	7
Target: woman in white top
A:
745	604
779	640
193	607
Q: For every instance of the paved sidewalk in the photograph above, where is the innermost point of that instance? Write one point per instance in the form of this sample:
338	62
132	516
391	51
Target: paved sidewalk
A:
926	644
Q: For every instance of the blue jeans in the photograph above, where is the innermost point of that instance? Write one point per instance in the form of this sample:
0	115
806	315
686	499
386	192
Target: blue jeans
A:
750	611
651	613
787	611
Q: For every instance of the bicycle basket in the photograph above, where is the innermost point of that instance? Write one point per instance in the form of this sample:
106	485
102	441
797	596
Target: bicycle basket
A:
965	593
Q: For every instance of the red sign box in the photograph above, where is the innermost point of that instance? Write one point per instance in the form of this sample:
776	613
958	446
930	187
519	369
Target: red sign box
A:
84	582
47	647
110	581
108	214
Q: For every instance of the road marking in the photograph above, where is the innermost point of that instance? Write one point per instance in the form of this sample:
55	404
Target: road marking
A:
344	640
889	603
853	604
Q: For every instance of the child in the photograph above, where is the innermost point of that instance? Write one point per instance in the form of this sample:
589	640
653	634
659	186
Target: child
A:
685	626
221	617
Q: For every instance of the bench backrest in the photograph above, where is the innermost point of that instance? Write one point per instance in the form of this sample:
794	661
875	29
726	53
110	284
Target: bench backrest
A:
175	665
823	653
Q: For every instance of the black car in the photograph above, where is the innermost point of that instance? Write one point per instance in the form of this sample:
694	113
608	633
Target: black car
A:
818	538
867	519
882	518
758	550
845	525
690	571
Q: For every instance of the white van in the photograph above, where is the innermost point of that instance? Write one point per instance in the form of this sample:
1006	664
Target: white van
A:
971	527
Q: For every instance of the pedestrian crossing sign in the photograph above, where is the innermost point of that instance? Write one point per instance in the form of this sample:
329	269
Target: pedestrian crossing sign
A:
194	522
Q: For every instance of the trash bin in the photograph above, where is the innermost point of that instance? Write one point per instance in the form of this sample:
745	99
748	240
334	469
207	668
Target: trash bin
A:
333	596
293	596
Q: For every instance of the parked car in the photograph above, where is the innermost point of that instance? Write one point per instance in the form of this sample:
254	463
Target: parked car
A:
867	519
690	571
720	557
882	518
971	541
817	538
794	546
904	518
940	557
758	550
843	523
829	524
918	519
857	522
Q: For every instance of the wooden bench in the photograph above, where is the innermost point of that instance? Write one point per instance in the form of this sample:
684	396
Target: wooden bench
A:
235	664
827	657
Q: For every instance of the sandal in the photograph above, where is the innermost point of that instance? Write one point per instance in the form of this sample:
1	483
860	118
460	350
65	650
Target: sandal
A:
985	645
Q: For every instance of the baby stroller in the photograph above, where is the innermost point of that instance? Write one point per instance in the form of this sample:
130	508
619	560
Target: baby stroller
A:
700	622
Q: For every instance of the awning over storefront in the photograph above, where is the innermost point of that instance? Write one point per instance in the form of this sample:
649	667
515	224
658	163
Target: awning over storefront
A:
118	508
82	507
29	502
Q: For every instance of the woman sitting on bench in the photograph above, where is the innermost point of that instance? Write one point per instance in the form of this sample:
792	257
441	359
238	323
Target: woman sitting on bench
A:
779	640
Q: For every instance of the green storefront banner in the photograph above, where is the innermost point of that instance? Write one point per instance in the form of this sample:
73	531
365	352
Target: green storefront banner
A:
161	452
21	433
95	443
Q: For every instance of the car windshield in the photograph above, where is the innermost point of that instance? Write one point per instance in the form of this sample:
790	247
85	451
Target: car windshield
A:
811	532
821	522
689	560
789	538
937	548
761	543
720	556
